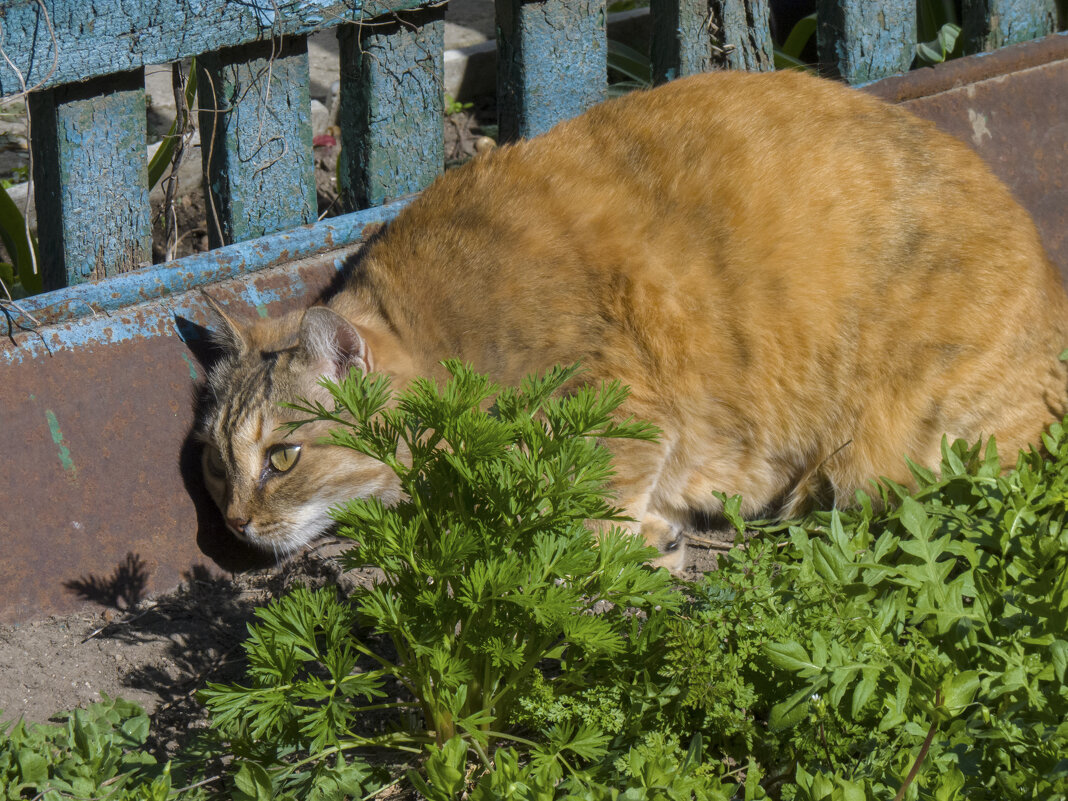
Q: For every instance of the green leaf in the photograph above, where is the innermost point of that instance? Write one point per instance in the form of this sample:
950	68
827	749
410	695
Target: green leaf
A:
20	245
32	767
164	154
830	565
630	63
789	713
445	769
914	518
864	691
950	781
790	656
251	783
959	689
1059	658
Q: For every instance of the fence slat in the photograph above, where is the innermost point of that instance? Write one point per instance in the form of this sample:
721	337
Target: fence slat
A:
91	179
551	62
865	41
691	36
391	106
255	122
990	24
52	42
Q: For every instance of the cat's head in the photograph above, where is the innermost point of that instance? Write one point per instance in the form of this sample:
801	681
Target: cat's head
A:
275	486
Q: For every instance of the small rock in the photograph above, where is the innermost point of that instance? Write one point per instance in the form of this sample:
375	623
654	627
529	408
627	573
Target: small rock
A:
333	100
484	144
320	117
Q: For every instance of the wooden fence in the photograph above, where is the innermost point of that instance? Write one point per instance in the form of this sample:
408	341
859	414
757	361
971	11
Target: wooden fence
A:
100	392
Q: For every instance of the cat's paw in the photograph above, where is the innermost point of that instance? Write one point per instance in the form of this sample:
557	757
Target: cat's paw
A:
668	538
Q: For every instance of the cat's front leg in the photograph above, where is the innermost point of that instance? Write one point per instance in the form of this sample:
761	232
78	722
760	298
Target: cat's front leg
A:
666	536
641	469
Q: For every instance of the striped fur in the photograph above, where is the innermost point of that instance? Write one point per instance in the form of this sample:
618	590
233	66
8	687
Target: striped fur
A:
801	285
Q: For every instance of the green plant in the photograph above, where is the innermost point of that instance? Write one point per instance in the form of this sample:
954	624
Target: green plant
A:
919	651
454	106
938	32
491	576
788	55
616	6
912	647
95	753
22	276
161	159
633	67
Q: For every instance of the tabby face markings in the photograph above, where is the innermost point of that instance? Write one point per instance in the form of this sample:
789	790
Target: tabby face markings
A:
275	487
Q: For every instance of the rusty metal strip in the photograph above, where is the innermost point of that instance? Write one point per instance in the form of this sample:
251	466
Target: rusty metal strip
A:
959	72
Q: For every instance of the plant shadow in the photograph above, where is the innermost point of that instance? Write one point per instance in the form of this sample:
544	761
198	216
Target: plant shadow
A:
123	589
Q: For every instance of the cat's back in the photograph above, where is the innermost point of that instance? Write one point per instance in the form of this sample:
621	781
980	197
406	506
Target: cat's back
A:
746	202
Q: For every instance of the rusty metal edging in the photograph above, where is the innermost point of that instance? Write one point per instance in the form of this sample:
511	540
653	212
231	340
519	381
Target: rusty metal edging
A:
928	81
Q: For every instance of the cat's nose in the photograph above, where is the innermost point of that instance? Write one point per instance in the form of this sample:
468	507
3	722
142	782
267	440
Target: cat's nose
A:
237	524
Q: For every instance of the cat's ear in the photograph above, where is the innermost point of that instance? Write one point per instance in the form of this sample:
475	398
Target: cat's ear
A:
228	334
333	343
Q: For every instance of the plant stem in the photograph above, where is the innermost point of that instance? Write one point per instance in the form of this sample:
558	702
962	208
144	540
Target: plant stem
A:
393	741
923	752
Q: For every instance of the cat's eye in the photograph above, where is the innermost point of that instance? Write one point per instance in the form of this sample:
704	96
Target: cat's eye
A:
283	457
213	461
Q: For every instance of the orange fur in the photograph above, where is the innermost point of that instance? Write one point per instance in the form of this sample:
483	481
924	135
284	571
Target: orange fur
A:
801	285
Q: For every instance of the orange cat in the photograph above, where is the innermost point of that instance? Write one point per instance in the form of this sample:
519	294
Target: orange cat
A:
801	285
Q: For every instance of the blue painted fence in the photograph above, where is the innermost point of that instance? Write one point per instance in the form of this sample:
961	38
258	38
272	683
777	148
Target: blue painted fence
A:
84	63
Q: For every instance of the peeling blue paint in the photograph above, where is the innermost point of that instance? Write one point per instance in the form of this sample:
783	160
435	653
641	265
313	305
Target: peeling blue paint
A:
191	365
990	24
98	298
166	30
255	119
682	44
391	108
865	41
139	321
550	64
91	179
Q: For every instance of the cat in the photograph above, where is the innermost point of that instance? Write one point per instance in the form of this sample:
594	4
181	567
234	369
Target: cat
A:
801	285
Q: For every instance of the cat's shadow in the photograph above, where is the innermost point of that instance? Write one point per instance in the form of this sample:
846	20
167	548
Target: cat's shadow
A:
213	538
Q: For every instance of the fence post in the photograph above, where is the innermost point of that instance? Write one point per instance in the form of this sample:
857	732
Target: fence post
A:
551	62
255	122
692	36
91	179
391	106
990	24
865	41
